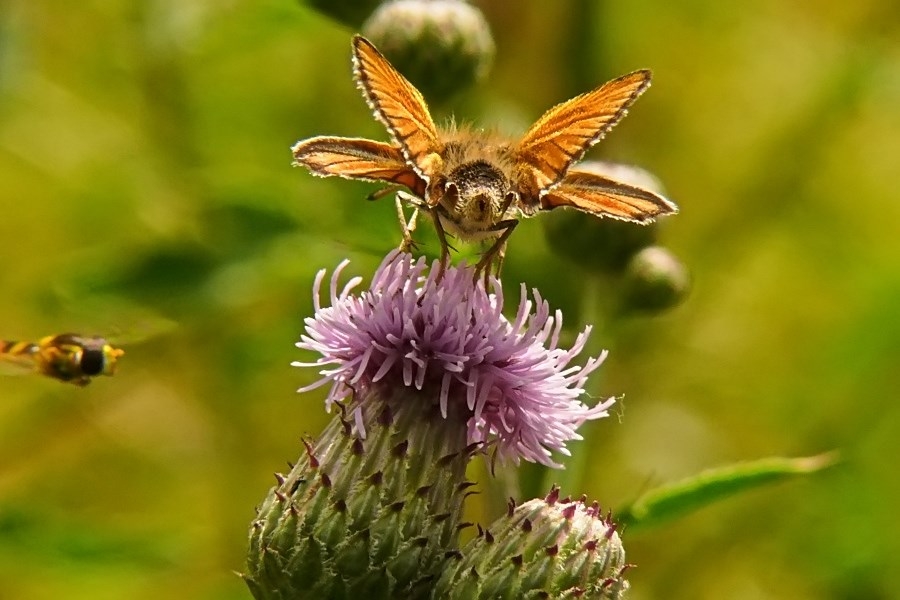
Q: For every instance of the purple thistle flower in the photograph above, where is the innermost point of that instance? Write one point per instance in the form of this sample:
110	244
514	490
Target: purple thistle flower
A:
447	338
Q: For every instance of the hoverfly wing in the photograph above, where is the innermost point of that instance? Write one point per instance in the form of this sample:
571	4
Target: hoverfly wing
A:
355	158
398	105
566	131
605	197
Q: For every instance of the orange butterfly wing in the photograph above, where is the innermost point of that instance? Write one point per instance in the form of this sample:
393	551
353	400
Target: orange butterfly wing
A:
398	105
355	158
605	197
566	131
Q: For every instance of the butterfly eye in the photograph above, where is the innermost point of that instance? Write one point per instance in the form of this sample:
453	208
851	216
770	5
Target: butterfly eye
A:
451	191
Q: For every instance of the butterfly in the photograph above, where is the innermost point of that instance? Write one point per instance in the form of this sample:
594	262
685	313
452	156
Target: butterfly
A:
477	185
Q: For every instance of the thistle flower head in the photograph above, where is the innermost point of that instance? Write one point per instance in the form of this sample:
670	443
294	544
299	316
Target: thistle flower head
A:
445	337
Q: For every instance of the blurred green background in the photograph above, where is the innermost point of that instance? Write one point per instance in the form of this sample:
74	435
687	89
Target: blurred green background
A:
147	195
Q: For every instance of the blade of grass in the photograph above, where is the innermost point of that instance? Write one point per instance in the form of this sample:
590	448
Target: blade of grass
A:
682	497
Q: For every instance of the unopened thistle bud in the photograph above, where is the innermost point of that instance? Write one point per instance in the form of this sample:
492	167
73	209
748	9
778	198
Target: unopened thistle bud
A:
602	245
349	12
654	281
545	548
369	517
441	46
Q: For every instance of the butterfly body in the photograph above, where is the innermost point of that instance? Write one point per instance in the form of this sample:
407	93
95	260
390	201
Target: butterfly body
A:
478	185
474	187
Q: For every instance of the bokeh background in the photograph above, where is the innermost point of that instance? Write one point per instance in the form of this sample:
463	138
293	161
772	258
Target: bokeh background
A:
146	194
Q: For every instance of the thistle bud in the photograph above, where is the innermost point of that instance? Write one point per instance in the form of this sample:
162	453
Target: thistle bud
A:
544	548
654	281
597	245
441	46
372	517
349	12
602	245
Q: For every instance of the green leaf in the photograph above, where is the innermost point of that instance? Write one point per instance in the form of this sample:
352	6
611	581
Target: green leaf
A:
685	496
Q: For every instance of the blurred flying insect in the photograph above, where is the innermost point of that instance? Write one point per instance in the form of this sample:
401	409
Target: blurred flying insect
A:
68	357
477	185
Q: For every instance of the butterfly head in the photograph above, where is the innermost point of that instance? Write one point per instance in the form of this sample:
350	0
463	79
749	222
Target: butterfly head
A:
477	194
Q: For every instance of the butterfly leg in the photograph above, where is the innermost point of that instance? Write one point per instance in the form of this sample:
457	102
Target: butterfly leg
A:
409	226
442	237
385	191
501	255
497	250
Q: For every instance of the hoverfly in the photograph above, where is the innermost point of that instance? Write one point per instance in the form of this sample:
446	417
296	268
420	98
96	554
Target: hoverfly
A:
478	185
67	357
